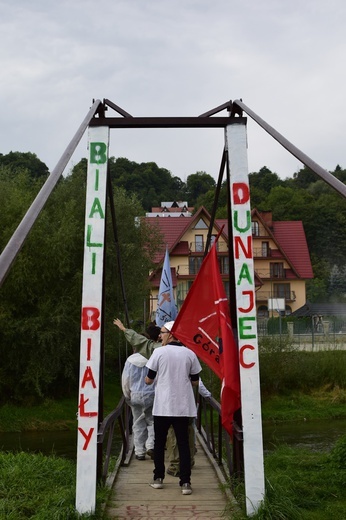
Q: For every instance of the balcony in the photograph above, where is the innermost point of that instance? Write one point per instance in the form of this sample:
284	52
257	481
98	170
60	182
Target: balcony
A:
267	274
183	270
263	296
192	270
196	247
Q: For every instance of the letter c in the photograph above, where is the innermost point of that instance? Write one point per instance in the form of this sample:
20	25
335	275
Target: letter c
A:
241	356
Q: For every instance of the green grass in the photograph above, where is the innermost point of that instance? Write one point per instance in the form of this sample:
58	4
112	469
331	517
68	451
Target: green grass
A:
298	406
303	485
39	488
52	415
36	486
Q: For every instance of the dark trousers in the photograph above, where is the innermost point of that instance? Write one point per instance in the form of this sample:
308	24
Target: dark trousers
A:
180	426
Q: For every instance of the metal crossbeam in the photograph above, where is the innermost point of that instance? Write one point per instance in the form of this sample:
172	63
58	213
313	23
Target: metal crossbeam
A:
165	122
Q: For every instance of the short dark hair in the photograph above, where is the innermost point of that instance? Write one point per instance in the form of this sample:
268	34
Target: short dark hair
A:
153	331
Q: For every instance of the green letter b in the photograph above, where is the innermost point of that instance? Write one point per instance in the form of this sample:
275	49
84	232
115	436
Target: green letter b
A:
98	153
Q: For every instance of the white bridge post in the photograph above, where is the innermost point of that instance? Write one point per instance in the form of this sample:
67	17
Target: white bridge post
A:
236	144
90	346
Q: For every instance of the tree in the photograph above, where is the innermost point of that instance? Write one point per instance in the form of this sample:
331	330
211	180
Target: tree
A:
138	244
19	161
151	184
304	177
264	180
207	200
198	184
41	297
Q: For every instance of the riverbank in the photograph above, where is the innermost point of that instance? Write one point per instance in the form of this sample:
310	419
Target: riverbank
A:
301	406
51	415
61	415
301	484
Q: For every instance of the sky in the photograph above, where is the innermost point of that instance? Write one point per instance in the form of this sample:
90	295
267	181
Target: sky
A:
285	60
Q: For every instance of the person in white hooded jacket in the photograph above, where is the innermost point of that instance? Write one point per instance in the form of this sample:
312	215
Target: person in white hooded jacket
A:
140	398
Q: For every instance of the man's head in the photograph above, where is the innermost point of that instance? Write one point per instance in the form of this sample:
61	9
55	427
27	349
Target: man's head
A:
154	332
166	335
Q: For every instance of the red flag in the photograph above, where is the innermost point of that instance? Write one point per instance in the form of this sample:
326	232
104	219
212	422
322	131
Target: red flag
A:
204	325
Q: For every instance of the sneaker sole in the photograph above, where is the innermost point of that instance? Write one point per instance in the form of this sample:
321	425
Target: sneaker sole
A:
187	492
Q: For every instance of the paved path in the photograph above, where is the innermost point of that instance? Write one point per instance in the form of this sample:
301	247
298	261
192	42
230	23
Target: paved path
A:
133	498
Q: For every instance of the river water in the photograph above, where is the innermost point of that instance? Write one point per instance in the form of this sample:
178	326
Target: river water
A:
314	435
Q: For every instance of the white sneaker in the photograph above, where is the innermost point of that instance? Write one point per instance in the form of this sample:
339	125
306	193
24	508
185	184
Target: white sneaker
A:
186	489
157	483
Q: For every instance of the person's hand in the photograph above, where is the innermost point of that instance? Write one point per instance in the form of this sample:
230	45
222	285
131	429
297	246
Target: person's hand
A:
119	324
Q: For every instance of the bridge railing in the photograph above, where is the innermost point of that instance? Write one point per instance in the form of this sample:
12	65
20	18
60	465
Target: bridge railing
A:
116	429
229	456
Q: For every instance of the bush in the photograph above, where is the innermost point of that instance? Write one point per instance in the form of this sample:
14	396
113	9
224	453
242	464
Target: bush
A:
338	453
284	368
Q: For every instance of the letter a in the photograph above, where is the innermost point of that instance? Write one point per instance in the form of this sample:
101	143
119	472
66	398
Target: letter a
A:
88	376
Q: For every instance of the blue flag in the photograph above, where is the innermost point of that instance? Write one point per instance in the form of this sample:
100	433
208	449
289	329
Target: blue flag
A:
166	307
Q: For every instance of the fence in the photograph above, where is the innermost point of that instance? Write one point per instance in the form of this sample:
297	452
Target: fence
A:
308	333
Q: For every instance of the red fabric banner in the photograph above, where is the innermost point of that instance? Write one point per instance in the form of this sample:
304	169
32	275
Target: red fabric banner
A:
204	325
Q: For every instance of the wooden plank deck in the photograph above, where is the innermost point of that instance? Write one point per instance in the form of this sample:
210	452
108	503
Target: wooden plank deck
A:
133	498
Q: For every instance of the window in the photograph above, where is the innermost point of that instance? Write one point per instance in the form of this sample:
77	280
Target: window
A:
282	290
195	263
265	248
226	286
201	224
223	264
199	243
263	311
255	228
182	290
277	270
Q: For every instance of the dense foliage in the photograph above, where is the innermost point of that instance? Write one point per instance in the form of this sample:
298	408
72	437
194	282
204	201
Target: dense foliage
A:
41	297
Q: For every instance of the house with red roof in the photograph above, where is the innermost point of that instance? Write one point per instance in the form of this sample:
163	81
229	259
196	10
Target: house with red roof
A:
281	258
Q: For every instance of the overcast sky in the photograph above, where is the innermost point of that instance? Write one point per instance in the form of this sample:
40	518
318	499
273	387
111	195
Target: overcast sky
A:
285	60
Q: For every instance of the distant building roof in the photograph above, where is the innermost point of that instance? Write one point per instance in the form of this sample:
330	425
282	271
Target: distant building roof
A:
155	277
320	309
171	209
291	238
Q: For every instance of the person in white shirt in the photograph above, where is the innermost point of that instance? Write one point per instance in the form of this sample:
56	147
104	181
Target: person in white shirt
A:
175	369
172	447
